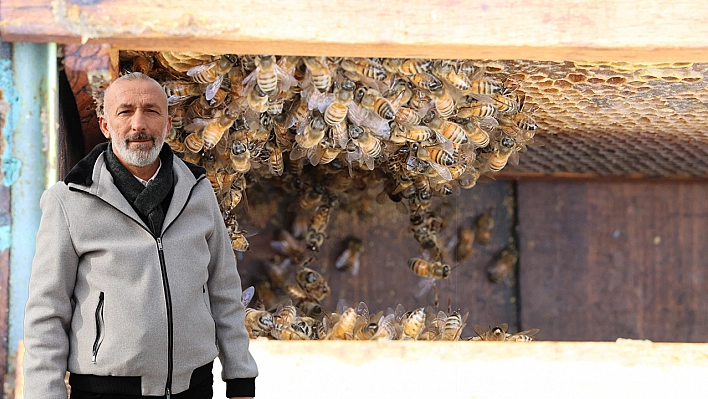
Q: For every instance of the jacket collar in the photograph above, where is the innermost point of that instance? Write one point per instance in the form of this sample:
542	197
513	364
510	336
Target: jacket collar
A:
91	175
82	173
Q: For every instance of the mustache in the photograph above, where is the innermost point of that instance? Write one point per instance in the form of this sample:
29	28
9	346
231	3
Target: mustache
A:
140	136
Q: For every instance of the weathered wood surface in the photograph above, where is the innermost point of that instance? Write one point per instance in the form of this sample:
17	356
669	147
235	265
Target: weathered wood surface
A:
384	279
601	261
481	370
5	222
535	30
90	69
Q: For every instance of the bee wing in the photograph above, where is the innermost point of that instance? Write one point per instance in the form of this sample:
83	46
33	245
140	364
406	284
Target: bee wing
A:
356	264
481	331
297	152
442	170
514	157
340	135
445	144
251	78
528	333
425	286
247	295
342	259
214	87
285	79
320	100
196	124
363	310
200	68
504	327
488	123
314	154
174	100
368	160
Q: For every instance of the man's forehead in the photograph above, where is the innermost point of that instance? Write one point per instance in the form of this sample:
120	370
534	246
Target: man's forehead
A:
136	94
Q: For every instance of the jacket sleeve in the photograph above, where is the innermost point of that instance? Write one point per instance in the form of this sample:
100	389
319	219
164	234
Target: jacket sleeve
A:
49	308
239	367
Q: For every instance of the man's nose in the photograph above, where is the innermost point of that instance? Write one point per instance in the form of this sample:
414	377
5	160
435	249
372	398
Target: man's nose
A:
138	122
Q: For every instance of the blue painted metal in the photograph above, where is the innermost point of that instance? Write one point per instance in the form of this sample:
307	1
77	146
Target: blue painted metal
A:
34	65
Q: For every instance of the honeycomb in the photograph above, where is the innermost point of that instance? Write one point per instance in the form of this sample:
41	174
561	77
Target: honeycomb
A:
615	118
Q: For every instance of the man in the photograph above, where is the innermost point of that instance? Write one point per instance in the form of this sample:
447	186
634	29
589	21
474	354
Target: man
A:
134	288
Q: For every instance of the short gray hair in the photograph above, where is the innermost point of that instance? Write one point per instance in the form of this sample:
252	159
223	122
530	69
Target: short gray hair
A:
128	77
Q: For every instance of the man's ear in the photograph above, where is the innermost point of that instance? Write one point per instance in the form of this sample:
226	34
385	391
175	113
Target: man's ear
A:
103	124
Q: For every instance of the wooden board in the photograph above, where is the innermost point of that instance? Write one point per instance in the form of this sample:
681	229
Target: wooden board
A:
480	370
600	261
535	30
384	279
89	69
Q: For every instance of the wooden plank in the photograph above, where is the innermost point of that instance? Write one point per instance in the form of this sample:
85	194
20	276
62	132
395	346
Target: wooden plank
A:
480	370
617	259
90	69
384	279
5	223
514	29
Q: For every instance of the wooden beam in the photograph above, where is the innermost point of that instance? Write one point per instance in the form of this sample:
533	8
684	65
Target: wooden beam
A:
385	369
601	30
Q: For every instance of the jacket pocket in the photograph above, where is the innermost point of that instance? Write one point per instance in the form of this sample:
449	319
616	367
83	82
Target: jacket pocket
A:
99	328
207	302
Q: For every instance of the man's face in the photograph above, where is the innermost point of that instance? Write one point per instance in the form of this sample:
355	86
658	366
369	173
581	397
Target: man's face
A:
136	121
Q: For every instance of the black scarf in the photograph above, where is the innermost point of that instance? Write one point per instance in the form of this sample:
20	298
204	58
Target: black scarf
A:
149	202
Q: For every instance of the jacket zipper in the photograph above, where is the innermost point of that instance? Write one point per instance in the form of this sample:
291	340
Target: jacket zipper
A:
99	328
165	284
168	302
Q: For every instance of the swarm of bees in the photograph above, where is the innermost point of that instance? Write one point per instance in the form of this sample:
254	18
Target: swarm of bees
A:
289	322
404	129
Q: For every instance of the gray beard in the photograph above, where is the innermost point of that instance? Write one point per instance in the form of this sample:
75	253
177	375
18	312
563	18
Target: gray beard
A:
139	157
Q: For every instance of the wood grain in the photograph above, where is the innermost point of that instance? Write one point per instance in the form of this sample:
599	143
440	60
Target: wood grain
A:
602	261
89	69
512	29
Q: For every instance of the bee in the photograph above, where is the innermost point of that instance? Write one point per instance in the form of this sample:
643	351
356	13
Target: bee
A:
490	333
434	155
364	328
447	72
365	67
505	103
312	283
343	329
240	157
288	332
266	78
238	237
423	268
387	329
454	324
286	244
258	323
212	74
414	325
143	64
416	133
427	81
370	146
485	86
503	268
298	113
214	131
179	117
311	309
465	240
413	66
476	135
401	92
476	110
285	314
336	112
373	101
275	159
444	103
501	154
314	239
483	228
178	91
350	258
320	219
319	71
194	142
449	131
523	336
312	134
199	108
257	99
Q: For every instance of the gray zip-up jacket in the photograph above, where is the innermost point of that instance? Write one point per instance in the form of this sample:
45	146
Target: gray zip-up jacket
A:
107	298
